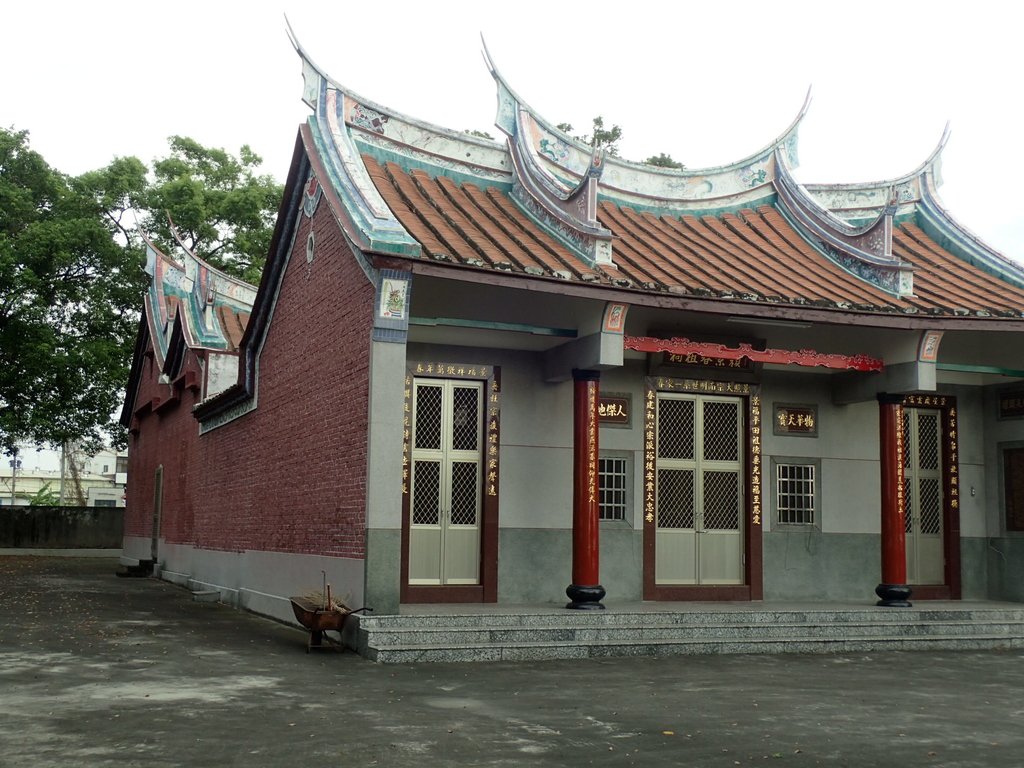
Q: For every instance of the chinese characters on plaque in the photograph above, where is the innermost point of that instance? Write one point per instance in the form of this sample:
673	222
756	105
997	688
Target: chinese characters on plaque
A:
707	361
701	385
650	457
900	499
1011	404
927	401
953	464
493	405
592	404
406	435
755	459
614	409
801	420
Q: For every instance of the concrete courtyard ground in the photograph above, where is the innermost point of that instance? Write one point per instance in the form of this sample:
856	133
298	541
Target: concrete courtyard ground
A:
101	671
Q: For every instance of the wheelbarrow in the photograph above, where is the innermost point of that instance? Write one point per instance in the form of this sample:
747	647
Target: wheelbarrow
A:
320	620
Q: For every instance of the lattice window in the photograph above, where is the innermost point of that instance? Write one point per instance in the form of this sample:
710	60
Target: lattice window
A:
613	484
928	440
466	418
675	428
675	498
721	431
464	492
428	417
922	486
721	501
795	493
426	479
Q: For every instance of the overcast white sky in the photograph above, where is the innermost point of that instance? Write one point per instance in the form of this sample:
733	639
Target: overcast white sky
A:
707	82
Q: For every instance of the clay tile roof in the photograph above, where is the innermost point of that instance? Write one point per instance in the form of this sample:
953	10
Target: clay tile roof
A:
940	276
751	255
469	225
233	325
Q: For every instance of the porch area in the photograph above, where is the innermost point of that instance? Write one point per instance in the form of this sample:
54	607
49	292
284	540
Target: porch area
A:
480	632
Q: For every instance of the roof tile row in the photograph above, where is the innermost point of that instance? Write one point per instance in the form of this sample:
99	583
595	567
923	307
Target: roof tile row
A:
753	254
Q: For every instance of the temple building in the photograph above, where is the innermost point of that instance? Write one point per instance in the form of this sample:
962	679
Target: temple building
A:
527	371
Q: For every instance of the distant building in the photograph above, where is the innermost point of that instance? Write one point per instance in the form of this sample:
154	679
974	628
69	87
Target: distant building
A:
507	372
101	477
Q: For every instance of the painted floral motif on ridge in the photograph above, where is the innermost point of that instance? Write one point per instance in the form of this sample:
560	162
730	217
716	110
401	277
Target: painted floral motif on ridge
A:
364	117
751	177
553	149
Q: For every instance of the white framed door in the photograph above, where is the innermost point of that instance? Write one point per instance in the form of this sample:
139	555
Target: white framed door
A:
446	482
698	536
922	491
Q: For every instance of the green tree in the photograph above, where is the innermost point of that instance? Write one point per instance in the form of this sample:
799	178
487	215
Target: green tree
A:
608	138
69	296
661	160
71	281
44	497
223	210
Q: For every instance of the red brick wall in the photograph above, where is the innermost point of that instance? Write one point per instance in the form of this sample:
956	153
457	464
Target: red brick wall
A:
167	437
289	476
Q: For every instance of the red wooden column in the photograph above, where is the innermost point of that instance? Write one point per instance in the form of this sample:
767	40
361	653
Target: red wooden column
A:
893	591
585	591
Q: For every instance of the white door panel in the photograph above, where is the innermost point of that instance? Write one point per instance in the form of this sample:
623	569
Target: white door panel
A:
698	536
447	453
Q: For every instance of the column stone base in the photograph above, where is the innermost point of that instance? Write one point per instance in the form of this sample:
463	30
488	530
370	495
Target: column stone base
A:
585	598
894	595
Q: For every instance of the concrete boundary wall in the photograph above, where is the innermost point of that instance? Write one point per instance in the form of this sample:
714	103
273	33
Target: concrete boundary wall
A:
61	527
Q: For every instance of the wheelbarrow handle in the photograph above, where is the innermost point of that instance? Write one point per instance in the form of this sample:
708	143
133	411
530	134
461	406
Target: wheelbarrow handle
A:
365	608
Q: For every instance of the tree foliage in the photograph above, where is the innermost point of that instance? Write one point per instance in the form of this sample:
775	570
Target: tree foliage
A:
69	296
661	160
223	210
44	497
606	138
71	278
609	139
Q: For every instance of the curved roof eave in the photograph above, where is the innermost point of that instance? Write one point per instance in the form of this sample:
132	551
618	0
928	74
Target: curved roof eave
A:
859	198
825	219
917	194
232	289
628	178
963	242
432	127
790	133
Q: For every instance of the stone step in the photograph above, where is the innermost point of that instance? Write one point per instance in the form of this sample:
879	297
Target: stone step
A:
569	650
438	636
688	618
575	634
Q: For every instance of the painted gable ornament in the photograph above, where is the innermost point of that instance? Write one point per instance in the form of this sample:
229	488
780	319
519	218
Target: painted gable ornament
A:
393	295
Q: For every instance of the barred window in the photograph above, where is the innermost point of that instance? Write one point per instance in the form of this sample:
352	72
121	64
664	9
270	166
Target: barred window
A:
613	479
795	493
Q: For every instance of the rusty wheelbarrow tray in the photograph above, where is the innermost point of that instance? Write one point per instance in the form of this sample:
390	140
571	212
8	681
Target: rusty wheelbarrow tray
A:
319	620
